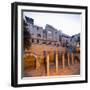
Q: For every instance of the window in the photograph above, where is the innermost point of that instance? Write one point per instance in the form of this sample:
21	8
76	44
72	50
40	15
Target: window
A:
49	32
38	35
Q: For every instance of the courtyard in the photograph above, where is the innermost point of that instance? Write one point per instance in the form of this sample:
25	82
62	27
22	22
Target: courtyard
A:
53	63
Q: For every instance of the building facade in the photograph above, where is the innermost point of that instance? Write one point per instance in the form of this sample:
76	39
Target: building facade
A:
49	35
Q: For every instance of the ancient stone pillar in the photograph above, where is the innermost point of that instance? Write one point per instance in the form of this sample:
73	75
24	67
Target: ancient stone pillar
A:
47	60
72	57
68	59
63	60
56	62
37	63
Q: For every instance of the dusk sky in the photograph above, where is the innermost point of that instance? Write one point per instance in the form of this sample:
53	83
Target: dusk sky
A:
69	24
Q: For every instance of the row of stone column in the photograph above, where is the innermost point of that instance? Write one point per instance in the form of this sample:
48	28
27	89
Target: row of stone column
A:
63	62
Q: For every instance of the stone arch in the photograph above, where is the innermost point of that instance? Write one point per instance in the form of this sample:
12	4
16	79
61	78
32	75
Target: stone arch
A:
29	61
37	64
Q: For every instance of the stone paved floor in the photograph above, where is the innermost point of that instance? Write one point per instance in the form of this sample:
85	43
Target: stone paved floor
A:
71	70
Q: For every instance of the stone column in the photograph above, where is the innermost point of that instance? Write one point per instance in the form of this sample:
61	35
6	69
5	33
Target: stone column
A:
72	57
56	62
47	60
37	63
63	60
68	59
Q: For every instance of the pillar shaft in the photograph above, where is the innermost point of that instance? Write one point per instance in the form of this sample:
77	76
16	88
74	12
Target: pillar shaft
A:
56	63
63	60
48	71
68	59
37	63
72	56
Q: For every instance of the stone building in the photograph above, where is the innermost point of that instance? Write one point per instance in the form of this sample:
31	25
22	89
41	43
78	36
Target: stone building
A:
75	40
50	35
65	40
